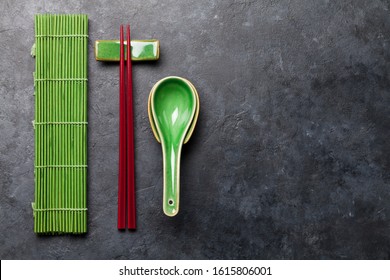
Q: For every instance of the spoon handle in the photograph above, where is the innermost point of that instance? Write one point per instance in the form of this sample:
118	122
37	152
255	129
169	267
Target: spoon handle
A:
171	159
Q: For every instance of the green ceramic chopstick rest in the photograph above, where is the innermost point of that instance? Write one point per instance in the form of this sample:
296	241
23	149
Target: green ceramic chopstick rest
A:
173	109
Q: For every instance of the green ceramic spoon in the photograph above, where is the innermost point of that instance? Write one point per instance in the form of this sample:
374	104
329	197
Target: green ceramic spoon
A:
173	110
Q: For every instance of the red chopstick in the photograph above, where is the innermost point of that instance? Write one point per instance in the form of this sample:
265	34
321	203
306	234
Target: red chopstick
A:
122	140
131	221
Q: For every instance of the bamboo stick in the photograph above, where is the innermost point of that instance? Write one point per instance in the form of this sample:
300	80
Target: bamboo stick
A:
37	142
77	127
59	142
66	112
72	93
48	127
85	118
43	128
63	94
55	126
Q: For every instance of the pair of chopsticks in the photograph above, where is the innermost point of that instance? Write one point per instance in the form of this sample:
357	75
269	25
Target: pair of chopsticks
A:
126	180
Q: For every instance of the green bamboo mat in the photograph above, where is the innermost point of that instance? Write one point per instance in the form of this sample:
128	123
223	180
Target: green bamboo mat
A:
60	79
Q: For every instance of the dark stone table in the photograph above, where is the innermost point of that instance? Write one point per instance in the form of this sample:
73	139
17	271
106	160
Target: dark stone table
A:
290	158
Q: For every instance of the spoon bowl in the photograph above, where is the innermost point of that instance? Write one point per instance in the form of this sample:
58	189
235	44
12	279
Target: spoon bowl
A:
192	126
173	109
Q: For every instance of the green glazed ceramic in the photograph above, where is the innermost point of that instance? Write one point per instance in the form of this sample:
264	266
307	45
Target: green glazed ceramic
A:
173	110
109	50
192	127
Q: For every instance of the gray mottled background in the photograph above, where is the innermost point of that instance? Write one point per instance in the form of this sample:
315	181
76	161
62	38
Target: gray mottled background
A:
290	158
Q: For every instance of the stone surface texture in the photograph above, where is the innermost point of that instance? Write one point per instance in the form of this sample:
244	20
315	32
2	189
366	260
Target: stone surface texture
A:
290	158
